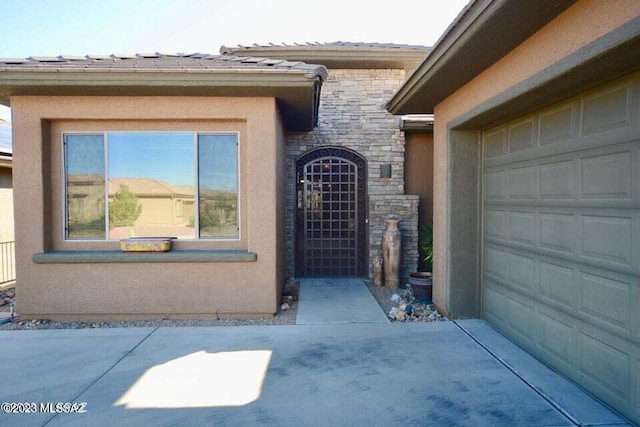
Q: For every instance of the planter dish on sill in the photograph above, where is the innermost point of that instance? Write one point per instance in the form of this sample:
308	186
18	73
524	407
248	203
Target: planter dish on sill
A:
146	244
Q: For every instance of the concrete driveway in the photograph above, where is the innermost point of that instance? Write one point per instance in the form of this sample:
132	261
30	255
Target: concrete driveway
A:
304	375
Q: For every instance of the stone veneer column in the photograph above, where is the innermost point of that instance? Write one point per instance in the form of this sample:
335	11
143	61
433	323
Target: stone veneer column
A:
352	116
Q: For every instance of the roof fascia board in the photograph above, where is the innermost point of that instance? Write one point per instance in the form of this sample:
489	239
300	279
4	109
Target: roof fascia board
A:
299	109
606	58
482	23
343	57
154	73
18	83
438	56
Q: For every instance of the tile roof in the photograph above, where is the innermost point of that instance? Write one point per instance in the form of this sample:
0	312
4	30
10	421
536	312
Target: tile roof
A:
340	54
327	46
295	84
157	62
149	187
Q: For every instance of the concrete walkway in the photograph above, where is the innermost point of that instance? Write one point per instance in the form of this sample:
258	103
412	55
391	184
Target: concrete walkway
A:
349	374
326	301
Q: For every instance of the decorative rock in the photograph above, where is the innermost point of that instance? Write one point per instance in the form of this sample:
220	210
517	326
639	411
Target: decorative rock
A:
406	309
287	299
285	307
291	289
409	309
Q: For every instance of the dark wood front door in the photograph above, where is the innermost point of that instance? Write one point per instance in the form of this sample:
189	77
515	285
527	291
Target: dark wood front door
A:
331	214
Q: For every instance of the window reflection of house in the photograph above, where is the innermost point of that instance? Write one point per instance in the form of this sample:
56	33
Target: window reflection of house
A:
161	203
6	184
140	202
218	212
86	198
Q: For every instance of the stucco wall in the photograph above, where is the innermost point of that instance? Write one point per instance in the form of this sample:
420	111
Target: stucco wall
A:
352	116
418	176
6	205
579	25
418	172
116	290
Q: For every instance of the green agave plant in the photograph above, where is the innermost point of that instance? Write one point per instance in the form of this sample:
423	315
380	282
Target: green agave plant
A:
426	245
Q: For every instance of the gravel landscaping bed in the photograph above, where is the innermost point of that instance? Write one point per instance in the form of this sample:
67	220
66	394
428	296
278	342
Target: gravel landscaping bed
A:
282	318
382	294
287	317
401	307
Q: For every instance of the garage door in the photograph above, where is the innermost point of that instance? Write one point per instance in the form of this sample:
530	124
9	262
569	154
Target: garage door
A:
561	238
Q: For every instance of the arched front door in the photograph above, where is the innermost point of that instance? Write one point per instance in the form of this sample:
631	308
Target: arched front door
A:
331	211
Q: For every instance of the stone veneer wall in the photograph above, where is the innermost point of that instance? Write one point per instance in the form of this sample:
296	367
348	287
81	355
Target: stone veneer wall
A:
406	207
352	116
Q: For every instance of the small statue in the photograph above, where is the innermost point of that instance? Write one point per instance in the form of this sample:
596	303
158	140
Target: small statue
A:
377	271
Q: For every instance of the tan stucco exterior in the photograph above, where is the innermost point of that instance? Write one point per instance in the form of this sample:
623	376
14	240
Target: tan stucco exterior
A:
101	289
418	172
581	24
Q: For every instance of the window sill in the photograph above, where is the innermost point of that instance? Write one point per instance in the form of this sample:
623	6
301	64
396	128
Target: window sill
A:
115	257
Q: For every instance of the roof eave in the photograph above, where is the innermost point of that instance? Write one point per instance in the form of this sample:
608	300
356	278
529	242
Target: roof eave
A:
295	90
6	160
340	57
481	35
418	123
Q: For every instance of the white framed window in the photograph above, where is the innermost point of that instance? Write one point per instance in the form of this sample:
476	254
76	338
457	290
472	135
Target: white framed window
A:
151	184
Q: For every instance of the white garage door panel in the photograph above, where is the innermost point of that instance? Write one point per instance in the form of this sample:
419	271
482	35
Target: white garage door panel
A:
561	238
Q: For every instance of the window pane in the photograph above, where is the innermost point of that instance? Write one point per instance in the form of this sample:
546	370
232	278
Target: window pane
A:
218	180
84	169
151	184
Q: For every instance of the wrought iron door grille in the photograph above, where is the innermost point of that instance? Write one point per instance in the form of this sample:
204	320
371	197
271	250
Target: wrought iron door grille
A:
330	218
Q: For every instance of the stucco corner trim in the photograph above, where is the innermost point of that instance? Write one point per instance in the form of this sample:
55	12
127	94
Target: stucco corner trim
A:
116	257
463	225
